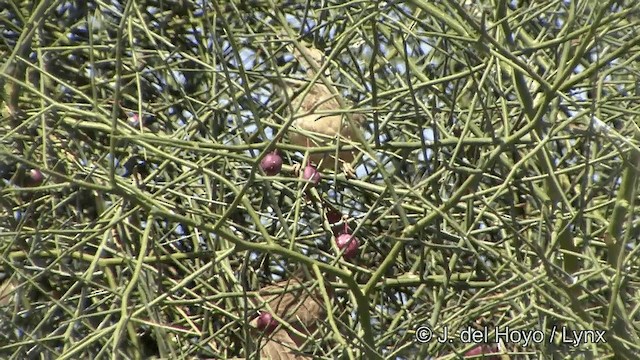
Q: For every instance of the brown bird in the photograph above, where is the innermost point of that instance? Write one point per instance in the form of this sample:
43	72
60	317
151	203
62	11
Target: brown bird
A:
318	116
294	302
279	346
301	307
319	123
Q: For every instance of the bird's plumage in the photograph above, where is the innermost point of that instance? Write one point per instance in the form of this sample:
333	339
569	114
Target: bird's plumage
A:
319	122
324	131
319	119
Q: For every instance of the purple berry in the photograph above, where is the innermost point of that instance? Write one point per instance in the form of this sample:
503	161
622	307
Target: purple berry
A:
36	177
349	244
311	173
333	216
134	120
266	322
271	164
484	349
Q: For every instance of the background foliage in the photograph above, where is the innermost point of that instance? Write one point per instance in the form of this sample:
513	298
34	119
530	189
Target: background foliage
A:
496	183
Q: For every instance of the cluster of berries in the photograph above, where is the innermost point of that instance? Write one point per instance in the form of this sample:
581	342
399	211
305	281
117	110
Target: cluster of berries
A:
271	164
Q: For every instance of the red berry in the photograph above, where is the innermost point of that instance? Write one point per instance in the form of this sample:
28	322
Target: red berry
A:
134	120
271	164
349	244
483	349
311	173
333	216
36	177
266	322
